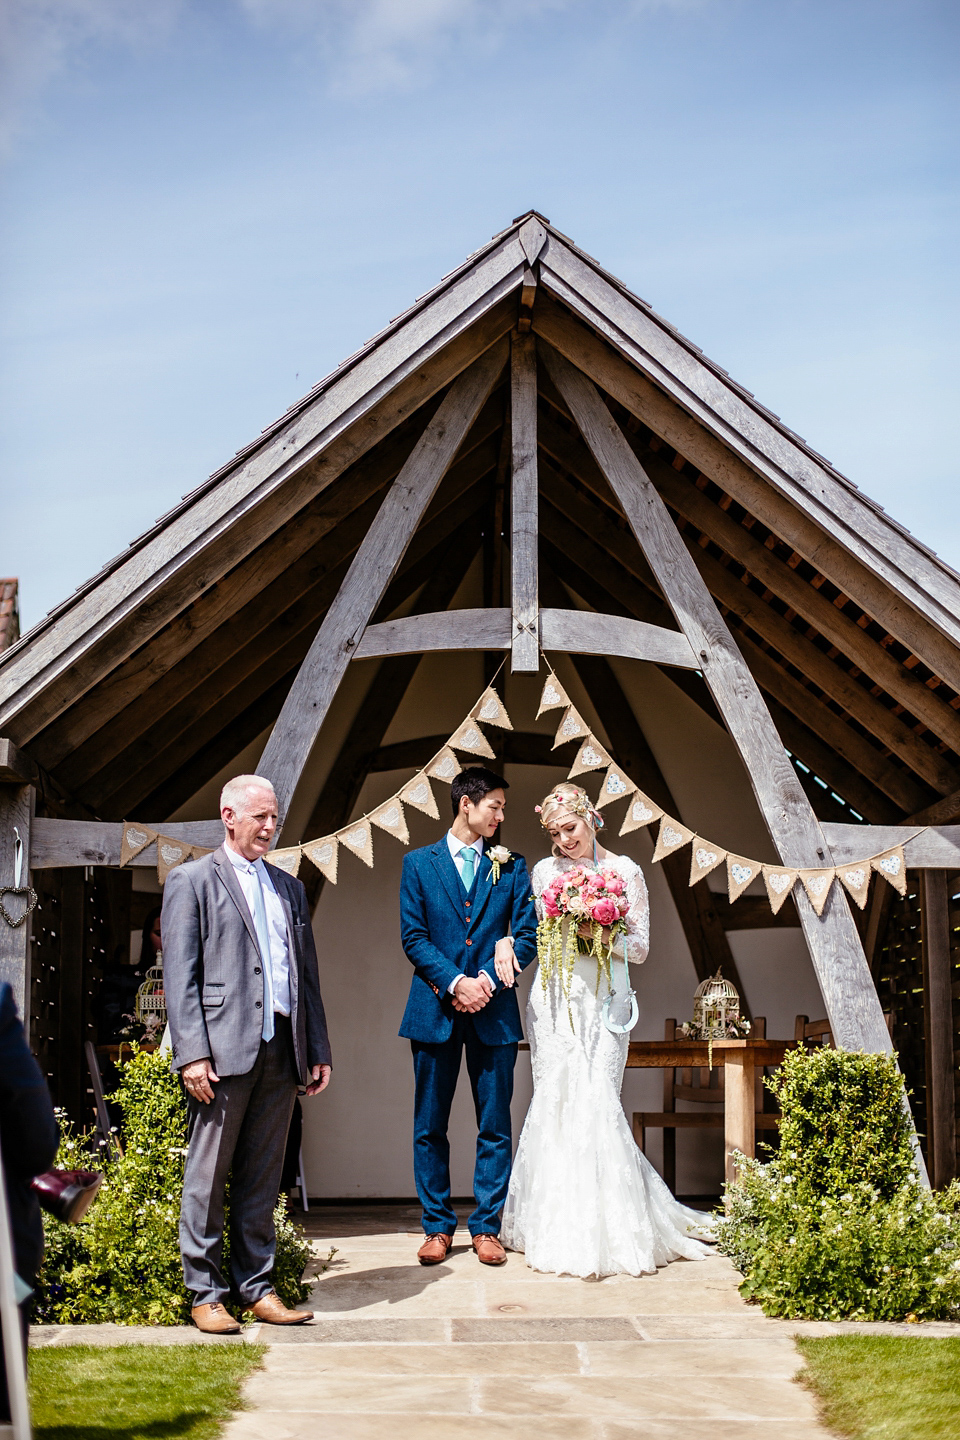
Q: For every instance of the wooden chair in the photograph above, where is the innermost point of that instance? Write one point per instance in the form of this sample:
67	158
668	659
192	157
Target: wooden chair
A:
813	1034
702	1086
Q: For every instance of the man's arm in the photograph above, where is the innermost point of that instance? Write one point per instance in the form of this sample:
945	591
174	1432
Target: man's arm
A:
318	1041
429	962
523	925
183	969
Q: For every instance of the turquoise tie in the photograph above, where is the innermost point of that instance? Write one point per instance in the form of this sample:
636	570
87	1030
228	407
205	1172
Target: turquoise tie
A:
263	940
468	859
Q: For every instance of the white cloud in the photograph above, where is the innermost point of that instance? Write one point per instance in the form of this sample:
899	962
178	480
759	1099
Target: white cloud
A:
38	38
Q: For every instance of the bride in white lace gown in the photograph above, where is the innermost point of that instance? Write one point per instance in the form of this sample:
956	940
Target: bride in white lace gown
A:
583	1198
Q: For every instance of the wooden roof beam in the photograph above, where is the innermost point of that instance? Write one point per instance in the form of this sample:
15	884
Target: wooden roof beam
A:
816	540
844	977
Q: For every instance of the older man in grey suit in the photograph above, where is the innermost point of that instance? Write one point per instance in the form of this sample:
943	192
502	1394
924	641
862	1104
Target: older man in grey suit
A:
247	1026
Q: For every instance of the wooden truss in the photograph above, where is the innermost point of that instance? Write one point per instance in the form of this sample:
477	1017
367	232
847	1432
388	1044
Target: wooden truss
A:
660	511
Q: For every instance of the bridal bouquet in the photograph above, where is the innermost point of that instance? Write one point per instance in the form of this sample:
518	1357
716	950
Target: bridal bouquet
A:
580	897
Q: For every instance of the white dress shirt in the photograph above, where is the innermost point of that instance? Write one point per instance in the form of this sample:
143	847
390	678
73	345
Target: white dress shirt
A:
279	958
455	846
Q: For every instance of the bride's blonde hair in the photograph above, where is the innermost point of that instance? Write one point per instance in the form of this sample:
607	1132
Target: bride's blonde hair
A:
569	799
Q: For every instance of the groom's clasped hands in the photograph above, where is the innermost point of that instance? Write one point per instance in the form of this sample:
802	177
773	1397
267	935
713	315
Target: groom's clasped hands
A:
470	995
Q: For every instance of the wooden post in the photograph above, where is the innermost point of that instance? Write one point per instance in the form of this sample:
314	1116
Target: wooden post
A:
938	1028
738	1108
318	678
669	1106
523	506
16	809
844	977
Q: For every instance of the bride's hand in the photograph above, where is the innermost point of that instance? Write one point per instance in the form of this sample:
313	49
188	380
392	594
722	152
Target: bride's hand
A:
505	961
586	930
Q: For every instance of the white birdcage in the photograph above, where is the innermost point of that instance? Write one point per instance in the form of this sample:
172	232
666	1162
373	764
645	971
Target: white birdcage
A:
151	1004
716	1010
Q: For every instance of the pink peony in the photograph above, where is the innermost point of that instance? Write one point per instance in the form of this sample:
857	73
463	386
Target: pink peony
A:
623	904
614	883
605	911
550	904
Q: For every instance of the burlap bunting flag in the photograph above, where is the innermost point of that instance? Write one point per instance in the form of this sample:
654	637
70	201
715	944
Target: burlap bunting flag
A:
741	872
553	695
287	859
419	794
640	811
672	836
472	739
390	817
491	710
170	854
615	786
817	884
892	866
704	857
590	756
779	882
323	853
855	879
359	839
571	727
135	838
444	766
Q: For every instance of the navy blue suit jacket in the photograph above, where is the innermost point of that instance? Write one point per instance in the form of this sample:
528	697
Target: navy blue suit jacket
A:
446	932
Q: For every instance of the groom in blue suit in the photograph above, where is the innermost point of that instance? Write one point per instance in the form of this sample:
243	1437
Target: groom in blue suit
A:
457	916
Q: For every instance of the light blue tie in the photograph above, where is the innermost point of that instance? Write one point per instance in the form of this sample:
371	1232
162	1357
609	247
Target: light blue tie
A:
468	859
263	940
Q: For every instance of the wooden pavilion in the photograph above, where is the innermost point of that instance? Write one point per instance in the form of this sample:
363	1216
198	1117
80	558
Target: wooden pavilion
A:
618	500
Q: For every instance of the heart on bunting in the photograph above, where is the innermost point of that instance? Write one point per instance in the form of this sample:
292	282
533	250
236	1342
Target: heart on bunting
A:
641	811
615	786
445	766
856	881
817	884
741	872
571	727
491	710
359	839
892	866
672	835
590	756
419	794
704	858
779	883
323	853
553	695
390	817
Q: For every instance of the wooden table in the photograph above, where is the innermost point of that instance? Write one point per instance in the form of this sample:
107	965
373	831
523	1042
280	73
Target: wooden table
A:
740	1059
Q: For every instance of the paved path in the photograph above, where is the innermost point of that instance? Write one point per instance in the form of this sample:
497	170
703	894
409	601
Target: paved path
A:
465	1350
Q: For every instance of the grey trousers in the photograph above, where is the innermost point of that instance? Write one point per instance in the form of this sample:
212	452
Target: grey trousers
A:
241	1133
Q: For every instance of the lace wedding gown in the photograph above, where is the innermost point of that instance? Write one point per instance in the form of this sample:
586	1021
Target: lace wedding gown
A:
583	1199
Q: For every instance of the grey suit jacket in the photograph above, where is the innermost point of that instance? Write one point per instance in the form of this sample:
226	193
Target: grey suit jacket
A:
213	970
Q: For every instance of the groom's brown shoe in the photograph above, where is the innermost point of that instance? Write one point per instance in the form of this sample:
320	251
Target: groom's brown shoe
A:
271	1309
434	1249
489	1250
213	1319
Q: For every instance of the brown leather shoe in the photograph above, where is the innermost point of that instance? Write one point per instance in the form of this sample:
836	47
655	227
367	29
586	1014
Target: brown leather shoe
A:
271	1309
213	1319
489	1250
434	1249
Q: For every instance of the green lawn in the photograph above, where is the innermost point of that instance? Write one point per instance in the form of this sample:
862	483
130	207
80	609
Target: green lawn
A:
137	1392
884	1387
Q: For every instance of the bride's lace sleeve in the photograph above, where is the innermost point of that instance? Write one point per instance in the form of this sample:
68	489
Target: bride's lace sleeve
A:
638	916
538	880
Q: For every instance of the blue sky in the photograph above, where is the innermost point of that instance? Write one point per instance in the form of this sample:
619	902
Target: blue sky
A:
203	211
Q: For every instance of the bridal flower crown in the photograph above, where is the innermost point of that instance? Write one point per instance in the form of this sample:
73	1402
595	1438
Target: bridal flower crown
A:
576	805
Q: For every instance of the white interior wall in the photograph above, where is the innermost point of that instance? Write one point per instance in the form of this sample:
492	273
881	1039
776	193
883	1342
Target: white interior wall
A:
357	1136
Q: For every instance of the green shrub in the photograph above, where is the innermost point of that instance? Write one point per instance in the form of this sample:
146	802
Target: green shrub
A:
839	1225
122	1263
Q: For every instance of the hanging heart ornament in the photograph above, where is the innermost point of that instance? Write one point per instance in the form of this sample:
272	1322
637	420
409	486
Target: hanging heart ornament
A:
29	896
25	892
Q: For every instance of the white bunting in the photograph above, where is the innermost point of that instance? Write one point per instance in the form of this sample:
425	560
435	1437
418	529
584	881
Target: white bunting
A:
615	786
817	884
444	766
170	854
671	837
779	882
855	879
553	696
892	866
571	727
704	857
287	859
640	811
590	756
741	872
472	739
490	710
419	794
358	838
390	817
135	838
323	853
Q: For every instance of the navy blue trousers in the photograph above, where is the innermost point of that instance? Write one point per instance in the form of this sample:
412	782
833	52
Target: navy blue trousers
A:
436	1069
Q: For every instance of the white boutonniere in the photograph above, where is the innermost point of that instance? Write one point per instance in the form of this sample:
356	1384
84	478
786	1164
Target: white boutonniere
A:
498	855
